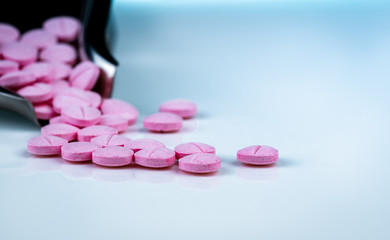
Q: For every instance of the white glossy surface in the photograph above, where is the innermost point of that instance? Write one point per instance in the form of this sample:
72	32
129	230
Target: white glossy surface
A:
309	80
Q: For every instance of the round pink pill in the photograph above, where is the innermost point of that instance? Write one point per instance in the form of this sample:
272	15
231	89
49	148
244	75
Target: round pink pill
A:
81	116
77	97
8	33
163	122
59	86
62	130
86	134
19	52
42	71
182	107
110	140
190	148
121	108
78	151
200	163
84	75
112	156
139	144
38	38
38	92
17	79
45	145
114	121
61	52
155	157
65	28
7	66
258	155
44	111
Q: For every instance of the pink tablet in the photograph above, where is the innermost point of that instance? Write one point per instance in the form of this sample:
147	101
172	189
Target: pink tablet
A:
86	134
8	33
65	28
44	111
163	122
38	38
183	107
112	156
143	143
121	108
37	93
110	140
43	72
19	52
61	52
189	148
17	79
62	130
7	66
45	145
114	121
200	163
155	157
78	151
84	75
258	155
81	116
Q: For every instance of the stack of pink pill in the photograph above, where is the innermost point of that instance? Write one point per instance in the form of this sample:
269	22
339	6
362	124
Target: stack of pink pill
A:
43	66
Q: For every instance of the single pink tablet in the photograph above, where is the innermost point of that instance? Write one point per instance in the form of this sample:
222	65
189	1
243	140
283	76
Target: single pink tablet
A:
183	107
114	121
43	72
110	140
258	155
86	134
62	130
155	157
84	75
163	122
61	70
8	33
17	79
38	38
44	111
57	119
75	97
139	144
121	108
200	163
45	145
81	116
78	151
62	52
19	52
190	148
38	92
65	28
7	66
59	86
112	156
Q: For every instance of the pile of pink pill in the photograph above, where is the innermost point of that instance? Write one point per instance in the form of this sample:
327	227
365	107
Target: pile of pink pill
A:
43	66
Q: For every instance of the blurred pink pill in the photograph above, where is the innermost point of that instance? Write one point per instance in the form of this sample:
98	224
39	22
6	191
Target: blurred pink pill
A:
61	70
78	151
200	163
59	86
77	97
81	116
57	119
258	155
8	33
61	52
110	140
114	121
38	38
155	157
43	72
38	92
139	144
45	145
121	108
84	75
190	148
163	122
19	52
44	111
86	134
62	130
112	156
17	79
184	108
7	66
65	28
